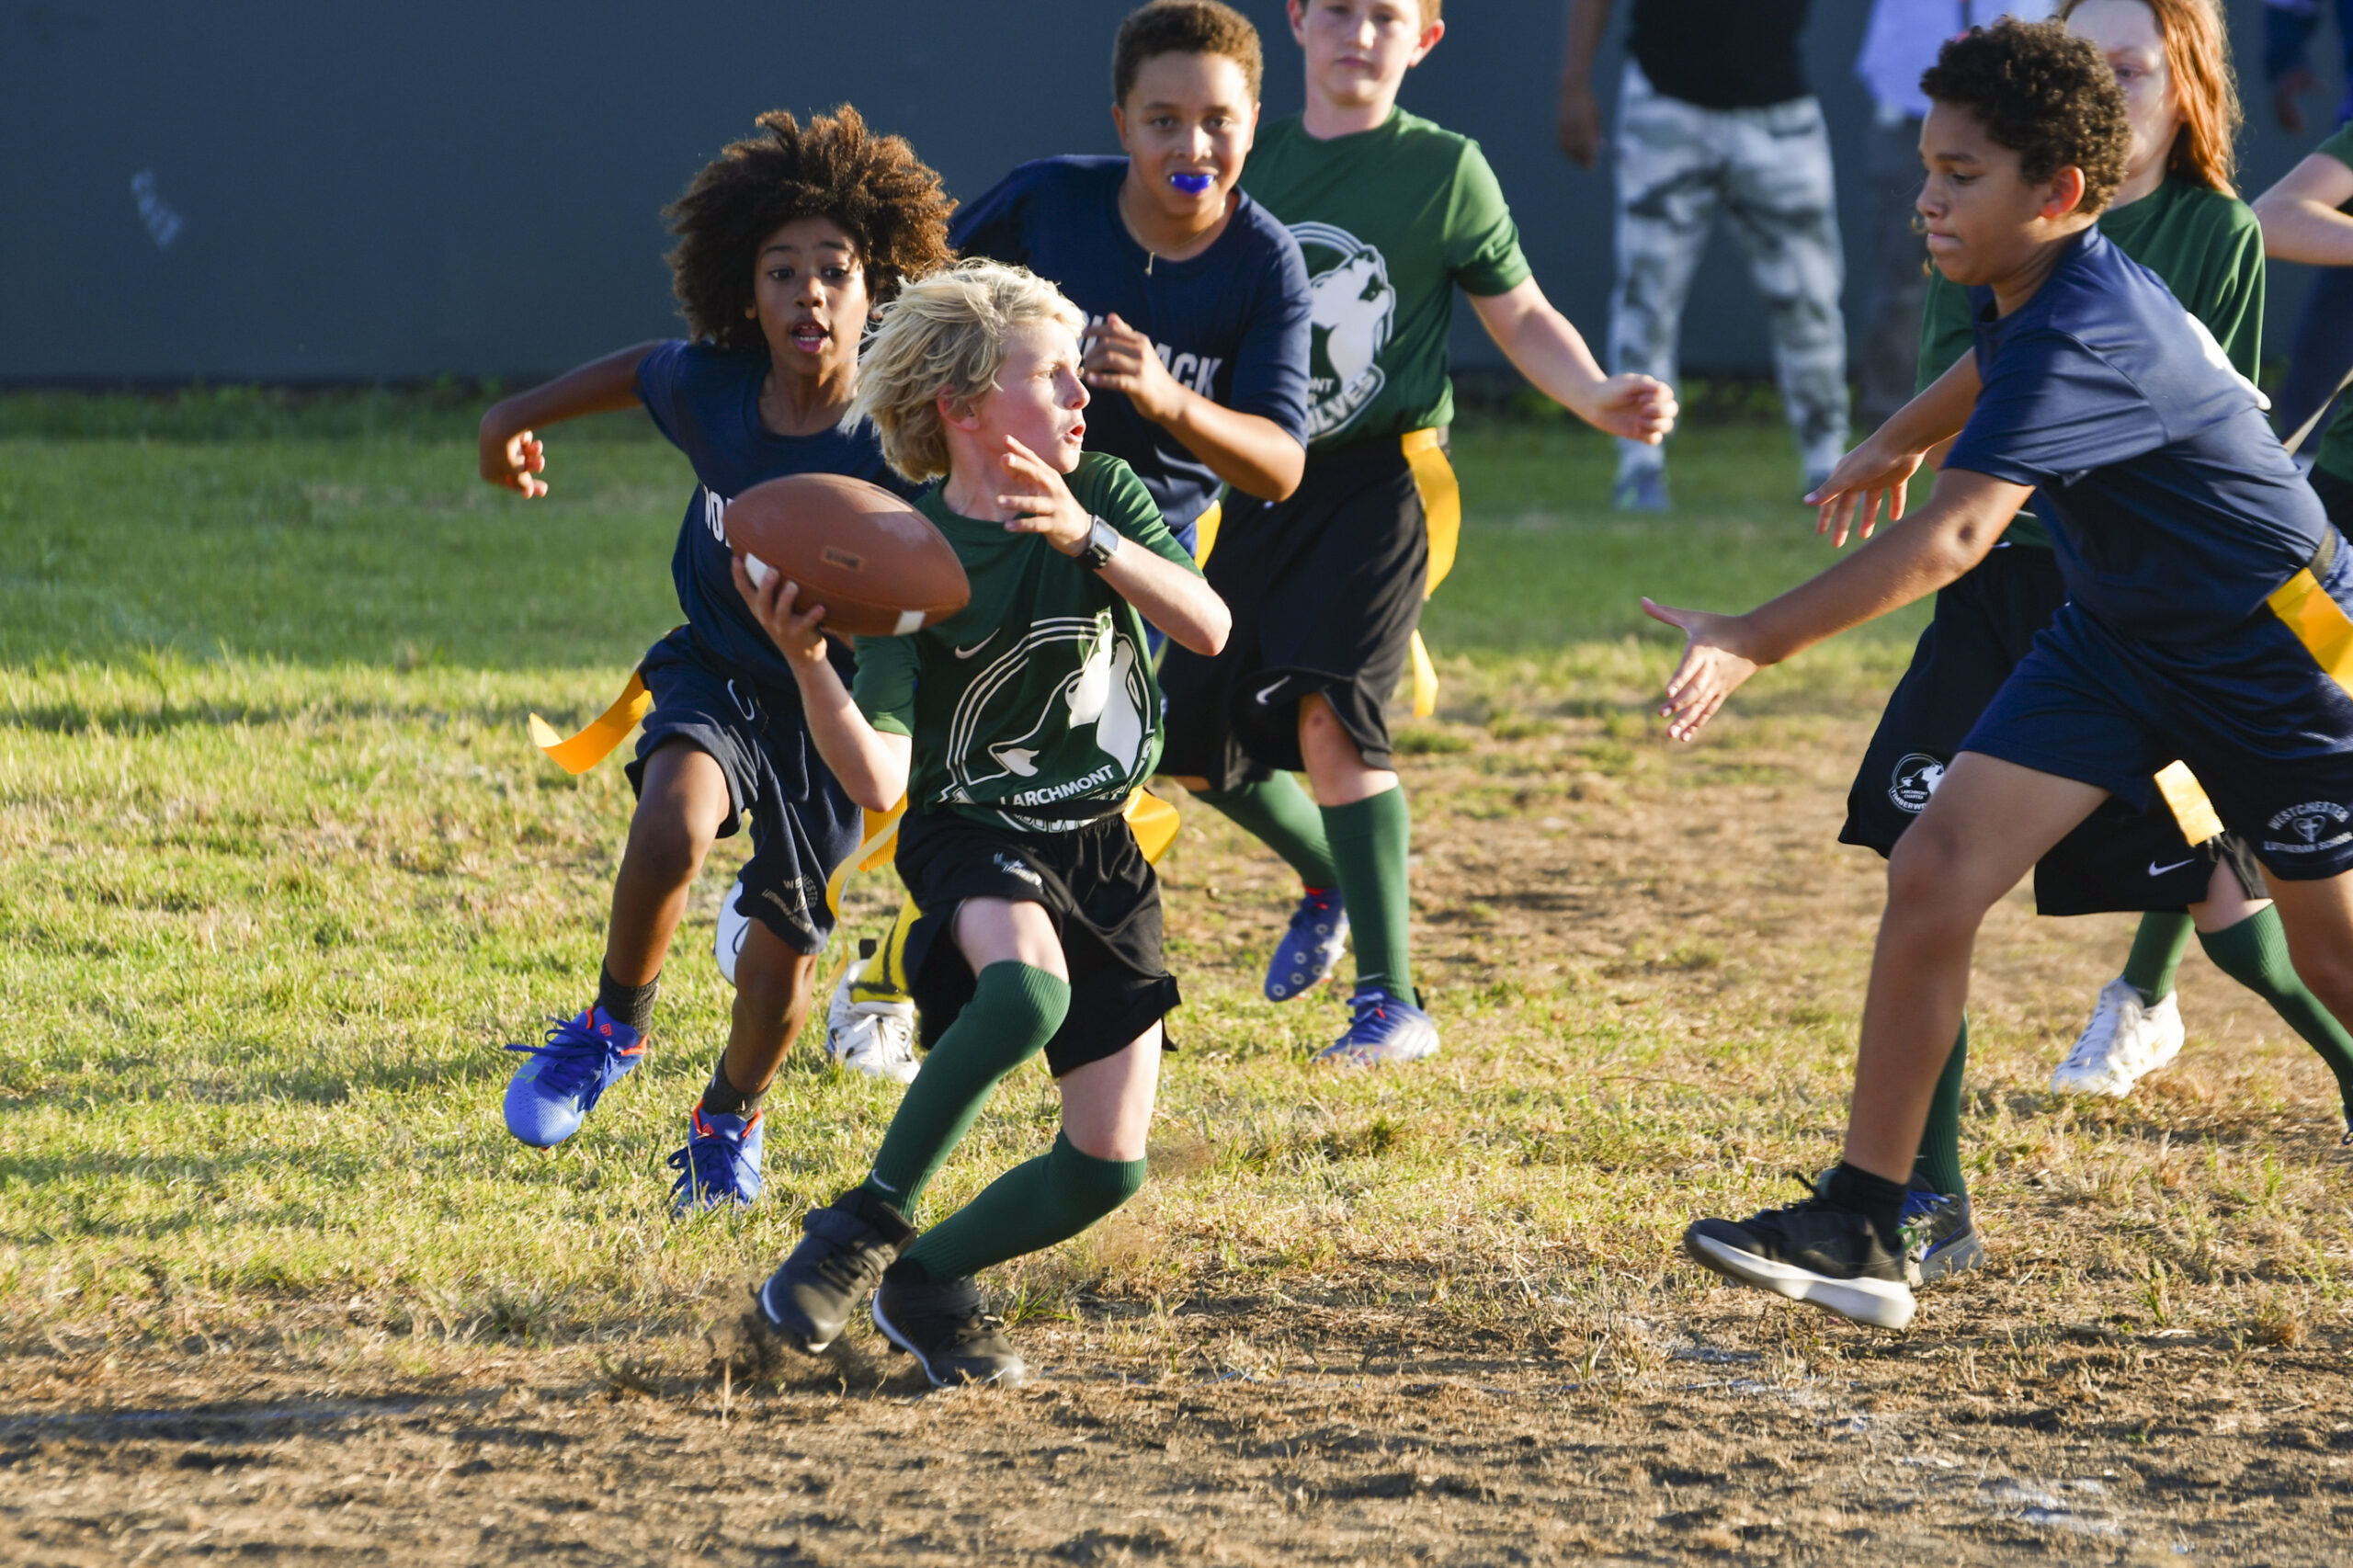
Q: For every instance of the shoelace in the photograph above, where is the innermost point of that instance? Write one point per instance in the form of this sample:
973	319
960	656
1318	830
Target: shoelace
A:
847	1269
712	1164
2086	1042
575	1057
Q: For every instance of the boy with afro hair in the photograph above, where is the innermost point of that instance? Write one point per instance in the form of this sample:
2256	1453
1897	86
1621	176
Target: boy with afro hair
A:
786	242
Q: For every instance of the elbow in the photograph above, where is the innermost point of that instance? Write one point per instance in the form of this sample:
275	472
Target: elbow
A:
1209	637
877	795
1286	472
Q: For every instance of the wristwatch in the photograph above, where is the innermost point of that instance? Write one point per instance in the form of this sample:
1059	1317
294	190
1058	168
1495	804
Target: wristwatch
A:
1102	543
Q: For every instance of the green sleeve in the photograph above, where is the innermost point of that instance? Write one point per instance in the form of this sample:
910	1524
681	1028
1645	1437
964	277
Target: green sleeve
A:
2339	146
885	688
2234	311
1110	489
1482	252
1944	329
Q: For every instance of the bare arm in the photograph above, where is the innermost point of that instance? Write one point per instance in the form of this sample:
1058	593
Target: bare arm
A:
1879	470
1579	126
1944	538
1172	597
871	765
512	457
1250	452
2300	216
1544	347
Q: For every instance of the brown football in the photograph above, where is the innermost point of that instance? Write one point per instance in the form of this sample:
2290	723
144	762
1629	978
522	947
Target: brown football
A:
876	564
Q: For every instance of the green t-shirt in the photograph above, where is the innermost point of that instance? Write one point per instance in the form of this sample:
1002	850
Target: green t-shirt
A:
2336	452
2206	246
1040	691
1391	219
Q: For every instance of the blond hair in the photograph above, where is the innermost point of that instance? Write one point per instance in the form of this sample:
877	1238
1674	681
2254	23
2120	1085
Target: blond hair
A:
945	336
2198	53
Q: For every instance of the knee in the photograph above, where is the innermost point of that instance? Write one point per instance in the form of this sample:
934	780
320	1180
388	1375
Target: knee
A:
1929	881
2327	973
665	845
1028	1001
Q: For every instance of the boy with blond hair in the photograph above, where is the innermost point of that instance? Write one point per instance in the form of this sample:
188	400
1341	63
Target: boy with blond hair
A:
1016	729
1392	213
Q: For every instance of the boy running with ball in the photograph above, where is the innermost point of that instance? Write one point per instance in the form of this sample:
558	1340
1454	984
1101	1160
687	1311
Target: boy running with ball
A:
786	243
1015	730
1393	214
2206	619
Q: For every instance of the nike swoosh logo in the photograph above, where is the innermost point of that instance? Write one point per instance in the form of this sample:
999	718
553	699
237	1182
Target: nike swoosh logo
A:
2157	871
1272	690
968	652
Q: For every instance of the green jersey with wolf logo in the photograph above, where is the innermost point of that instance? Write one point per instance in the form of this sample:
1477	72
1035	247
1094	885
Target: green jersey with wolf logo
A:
1038	693
1390	220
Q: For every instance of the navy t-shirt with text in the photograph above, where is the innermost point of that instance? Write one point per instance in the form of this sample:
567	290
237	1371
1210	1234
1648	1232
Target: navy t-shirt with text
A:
2178	513
708	403
1231	322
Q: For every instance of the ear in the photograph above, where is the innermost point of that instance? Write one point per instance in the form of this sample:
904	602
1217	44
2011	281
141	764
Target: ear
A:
1119	123
1297	10
1428	41
2064	193
964	416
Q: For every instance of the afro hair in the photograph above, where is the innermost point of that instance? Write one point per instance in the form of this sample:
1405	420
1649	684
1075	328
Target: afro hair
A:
2044	93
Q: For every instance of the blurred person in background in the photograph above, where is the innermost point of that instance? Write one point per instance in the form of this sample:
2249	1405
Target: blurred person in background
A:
1900	41
2321	349
1714	117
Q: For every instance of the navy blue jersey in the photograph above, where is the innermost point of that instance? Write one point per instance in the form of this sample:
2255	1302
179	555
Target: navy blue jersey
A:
2177	511
708	404
1231	322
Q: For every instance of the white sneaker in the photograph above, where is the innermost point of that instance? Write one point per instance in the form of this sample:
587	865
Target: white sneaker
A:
2126	1041
877	1039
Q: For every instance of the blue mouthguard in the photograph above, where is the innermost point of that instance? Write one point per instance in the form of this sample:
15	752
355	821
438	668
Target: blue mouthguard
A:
1192	184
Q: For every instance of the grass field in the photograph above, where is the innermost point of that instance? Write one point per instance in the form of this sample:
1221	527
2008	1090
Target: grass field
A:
279	873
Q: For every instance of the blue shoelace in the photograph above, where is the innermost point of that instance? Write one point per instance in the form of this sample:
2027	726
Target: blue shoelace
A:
575	1057
709	1165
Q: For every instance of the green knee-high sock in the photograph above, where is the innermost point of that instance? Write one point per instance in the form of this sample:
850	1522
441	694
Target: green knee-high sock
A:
1938	1164
2255	953
1370	839
2157	947
1014	1011
1027	1210
1278	814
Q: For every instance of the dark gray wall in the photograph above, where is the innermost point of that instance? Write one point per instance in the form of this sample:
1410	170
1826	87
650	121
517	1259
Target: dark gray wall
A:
400	191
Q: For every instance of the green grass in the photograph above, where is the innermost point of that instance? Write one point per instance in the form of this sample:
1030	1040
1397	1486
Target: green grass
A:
279	871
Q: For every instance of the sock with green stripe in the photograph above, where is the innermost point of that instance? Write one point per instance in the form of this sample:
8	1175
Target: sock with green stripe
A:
2157	947
1278	814
1370	839
1015	1010
1027	1210
2255	953
1938	1164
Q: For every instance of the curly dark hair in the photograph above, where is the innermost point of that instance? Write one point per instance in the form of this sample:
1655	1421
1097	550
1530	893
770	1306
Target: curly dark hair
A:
2045	95
1183	27
889	202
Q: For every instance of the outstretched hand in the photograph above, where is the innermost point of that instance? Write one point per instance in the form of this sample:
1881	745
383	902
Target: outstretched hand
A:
1121	359
1869	477
775	605
514	463
1641	408
1040	501
1711	669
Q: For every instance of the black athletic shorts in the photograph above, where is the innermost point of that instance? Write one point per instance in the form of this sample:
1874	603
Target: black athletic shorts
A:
2121	858
1094	884
803	821
1326	589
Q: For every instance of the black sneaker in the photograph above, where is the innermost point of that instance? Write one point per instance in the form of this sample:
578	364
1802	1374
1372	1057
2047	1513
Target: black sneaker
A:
1814	1251
943	1327
847	1246
1940	1234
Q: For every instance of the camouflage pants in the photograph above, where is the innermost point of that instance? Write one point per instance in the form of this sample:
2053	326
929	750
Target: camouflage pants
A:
1768	171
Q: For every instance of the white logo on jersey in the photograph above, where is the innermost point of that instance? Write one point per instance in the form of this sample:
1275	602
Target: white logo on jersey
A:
714	513
1108	693
1355	309
2221	361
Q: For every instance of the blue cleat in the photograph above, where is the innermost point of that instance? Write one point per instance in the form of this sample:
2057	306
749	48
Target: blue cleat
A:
1939	1236
1383	1031
721	1164
1311	946
552	1093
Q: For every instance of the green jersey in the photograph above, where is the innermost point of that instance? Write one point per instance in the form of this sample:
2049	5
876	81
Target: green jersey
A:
1040	691
1390	220
2206	246
2337	443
